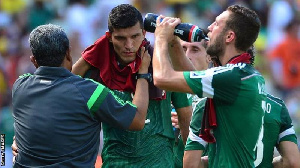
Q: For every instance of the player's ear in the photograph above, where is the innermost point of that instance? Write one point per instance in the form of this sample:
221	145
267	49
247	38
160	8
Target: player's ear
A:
33	60
68	55
230	36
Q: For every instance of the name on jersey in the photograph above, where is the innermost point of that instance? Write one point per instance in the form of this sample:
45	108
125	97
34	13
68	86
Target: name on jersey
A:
261	88
238	65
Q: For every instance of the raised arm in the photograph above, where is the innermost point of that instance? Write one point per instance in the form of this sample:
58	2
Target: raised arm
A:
164	76
141	96
178	58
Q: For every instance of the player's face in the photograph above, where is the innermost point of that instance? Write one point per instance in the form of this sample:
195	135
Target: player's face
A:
216	44
196	53
126	42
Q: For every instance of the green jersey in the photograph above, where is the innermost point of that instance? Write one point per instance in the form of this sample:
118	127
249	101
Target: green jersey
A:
277	127
150	147
198	107
194	142
239	98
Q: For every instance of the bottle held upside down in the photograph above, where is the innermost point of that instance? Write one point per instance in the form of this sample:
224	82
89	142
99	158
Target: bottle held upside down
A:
185	31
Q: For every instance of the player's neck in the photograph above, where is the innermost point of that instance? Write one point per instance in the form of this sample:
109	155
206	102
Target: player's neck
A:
229	53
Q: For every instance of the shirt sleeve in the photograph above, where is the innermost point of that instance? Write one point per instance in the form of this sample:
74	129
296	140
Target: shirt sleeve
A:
20	80
180	100
194	142
106	107
287	132
218	83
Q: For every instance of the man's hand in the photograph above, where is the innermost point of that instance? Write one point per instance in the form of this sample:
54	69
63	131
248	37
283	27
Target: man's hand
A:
146	59
165	28
204	160
277	162
14	148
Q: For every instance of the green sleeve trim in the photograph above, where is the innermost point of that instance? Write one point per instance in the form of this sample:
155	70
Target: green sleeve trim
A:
92	80
25	75
193	145
291	138
97	98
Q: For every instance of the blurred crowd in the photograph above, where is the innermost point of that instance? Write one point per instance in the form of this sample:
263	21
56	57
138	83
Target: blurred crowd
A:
277	48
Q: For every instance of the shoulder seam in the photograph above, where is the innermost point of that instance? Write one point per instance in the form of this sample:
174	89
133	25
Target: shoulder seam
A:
25	75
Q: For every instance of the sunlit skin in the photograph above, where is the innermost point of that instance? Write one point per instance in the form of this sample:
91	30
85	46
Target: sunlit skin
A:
196	53
217	26
215	46
126	42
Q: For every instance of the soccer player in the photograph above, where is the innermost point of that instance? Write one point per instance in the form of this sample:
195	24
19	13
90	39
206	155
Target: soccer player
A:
196	52
114	60
279	132
229	88
278	128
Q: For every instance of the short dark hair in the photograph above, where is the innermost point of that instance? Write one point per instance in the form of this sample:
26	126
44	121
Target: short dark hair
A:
124	16
49	45
246	25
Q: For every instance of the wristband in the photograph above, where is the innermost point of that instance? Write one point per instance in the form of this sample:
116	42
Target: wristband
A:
146	76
